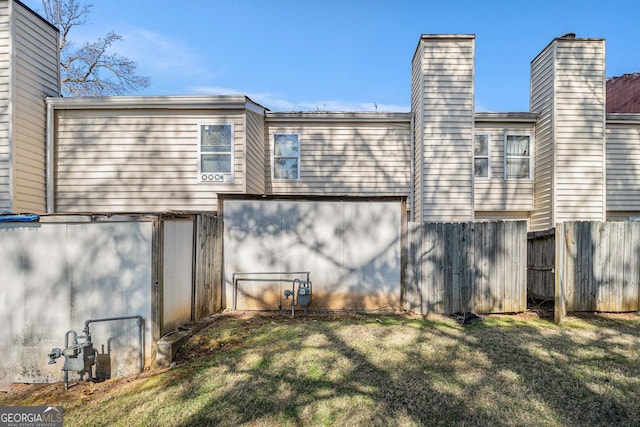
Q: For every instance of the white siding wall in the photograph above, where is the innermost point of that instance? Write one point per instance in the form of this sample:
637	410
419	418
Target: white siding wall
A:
542	90
355	158
35	64
446	110
138	160
255	153
623	169
501	216
417	89
496	193
568	90
5	80
351	249
579	130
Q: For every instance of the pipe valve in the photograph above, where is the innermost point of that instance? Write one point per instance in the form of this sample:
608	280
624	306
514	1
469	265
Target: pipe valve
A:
55	353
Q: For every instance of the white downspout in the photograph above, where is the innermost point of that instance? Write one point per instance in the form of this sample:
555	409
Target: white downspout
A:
49	166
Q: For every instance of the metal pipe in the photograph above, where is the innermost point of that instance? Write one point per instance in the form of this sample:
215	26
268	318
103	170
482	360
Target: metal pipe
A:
235	279
66	338
140	323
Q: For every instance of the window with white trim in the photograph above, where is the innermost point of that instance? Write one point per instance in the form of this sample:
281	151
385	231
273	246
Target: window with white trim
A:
286	156
481	162
517	156
215	152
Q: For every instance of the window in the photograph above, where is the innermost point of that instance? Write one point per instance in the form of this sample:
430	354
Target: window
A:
286	156
481	163
517	157
215	152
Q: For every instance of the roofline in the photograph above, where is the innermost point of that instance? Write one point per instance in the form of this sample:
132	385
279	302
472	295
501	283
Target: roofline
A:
623	118
566	38
334	116
157	102
441	37
36	14
524	117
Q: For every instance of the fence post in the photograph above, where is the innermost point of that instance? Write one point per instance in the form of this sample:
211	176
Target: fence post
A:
559	306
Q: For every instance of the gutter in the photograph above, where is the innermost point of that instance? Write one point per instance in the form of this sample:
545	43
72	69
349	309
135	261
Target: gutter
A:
49	163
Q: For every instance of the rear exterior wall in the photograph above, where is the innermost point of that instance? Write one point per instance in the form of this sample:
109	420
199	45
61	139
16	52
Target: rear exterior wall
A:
338	158
495	193
138	160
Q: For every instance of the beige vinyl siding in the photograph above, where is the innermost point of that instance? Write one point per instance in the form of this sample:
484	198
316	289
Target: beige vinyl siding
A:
579	130
502	216
446	111
623	166
496	193
623	215
36	77
542	90
5	128
355	157
255	153
417	89
138	160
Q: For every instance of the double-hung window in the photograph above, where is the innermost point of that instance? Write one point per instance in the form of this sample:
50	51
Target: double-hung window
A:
517	156
481	158
215	152
286	156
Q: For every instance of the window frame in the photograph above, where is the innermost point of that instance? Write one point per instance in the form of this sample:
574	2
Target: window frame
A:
529	157
274	157
220	177
487	156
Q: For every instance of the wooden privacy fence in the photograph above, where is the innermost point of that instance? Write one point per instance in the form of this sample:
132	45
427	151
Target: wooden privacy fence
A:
597	267
469	266
208	266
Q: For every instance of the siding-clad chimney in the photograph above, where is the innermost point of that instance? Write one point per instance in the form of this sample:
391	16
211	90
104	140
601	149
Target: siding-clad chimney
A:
568	91
442	100
29	62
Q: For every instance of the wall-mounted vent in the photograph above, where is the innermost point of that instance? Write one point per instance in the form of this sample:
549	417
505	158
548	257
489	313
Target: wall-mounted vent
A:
216	177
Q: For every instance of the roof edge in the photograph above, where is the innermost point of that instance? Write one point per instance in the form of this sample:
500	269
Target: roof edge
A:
157	102
623	118
513	117
335	116
37	15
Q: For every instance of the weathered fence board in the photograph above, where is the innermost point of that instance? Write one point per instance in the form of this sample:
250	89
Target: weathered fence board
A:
541	261
469	266
597	267
208	277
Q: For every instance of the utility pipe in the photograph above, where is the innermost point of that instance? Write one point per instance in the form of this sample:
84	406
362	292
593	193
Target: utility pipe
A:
111	319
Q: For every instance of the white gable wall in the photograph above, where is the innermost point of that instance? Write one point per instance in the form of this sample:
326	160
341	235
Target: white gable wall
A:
445	116
35	77
579	130
542	90
5	85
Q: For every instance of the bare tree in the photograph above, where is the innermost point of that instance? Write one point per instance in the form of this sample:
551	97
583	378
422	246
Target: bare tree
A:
92	69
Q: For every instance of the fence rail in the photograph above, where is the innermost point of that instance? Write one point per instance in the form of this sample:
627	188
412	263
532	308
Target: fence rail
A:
468	266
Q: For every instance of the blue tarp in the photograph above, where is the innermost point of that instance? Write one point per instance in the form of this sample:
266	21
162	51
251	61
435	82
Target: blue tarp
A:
9	217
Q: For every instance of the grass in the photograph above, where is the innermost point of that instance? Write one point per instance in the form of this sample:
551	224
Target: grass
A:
269	369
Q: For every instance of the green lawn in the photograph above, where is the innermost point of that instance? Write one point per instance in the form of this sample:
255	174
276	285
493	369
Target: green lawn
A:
331	369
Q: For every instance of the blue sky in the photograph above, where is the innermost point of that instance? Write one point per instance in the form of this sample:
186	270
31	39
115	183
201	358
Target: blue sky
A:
347	55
